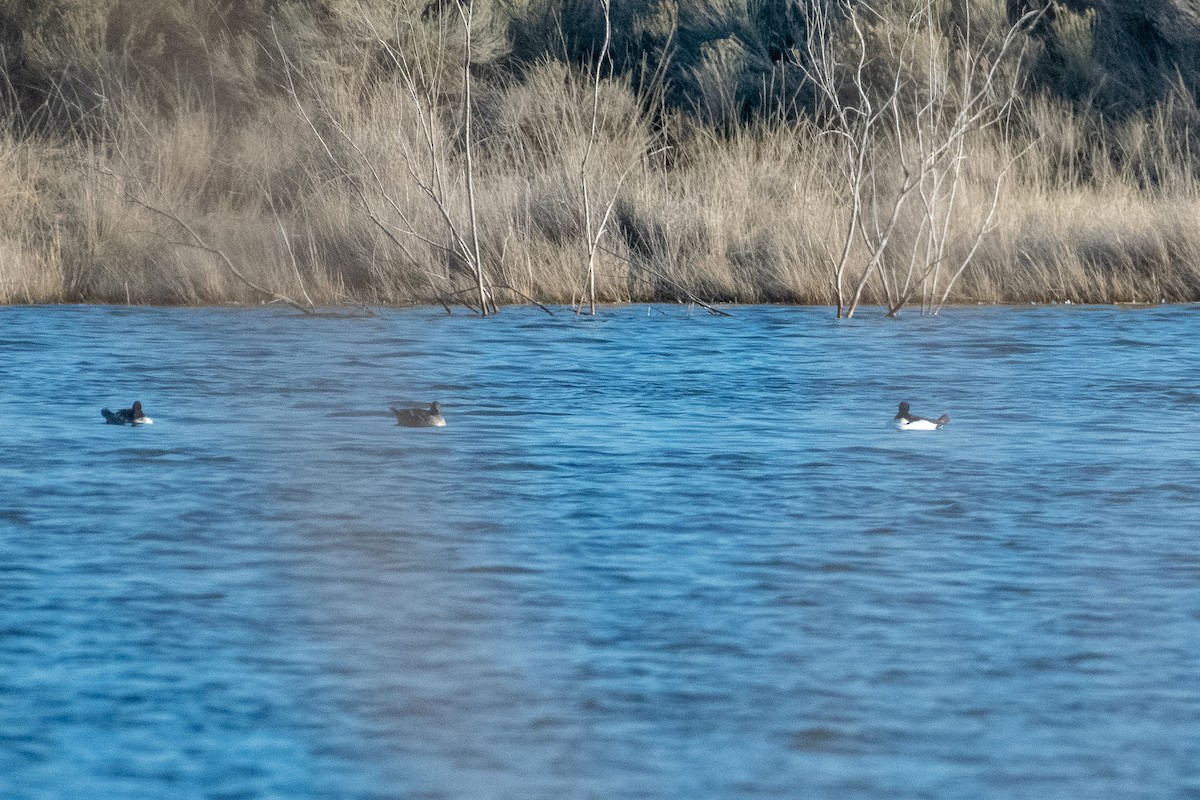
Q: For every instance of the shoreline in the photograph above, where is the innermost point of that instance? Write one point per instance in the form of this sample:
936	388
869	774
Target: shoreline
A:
865	310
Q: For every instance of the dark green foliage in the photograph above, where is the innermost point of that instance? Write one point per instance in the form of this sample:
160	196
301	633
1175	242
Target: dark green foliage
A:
1138	53
724	62
47	99
219	54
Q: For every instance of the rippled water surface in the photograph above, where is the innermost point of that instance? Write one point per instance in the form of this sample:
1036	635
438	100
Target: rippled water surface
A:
657	554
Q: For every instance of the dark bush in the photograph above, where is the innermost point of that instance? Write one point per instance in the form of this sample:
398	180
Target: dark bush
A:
1117	57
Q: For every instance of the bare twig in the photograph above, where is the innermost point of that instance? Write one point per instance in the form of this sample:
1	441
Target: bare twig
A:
198	242
925	133
466	11
690	295
594	237
413	73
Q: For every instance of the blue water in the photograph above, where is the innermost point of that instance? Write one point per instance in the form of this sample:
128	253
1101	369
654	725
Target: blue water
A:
656	554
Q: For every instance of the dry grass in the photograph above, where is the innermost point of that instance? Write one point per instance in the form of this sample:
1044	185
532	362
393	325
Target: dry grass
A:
31	258
313	188
1090	246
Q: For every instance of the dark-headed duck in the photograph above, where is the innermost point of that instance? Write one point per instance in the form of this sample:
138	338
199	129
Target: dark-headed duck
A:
911	422
420	417
126	416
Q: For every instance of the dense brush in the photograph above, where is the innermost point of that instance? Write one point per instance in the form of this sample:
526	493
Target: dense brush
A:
318	147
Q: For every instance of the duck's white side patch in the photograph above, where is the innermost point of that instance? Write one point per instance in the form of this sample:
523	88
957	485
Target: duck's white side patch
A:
916	425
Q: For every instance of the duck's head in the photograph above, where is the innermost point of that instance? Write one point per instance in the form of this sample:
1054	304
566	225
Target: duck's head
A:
137	409
904	408
435	408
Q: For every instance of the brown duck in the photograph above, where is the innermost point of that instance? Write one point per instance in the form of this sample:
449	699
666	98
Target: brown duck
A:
420	417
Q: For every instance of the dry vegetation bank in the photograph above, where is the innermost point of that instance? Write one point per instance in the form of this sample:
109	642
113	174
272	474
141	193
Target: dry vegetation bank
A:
332	152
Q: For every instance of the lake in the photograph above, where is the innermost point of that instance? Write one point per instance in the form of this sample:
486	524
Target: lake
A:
654	554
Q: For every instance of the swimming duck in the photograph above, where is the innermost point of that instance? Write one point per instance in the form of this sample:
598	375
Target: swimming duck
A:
127	416
420	417
911	422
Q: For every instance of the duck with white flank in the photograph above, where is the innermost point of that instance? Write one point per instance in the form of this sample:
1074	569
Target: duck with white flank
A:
126	416
420	417
911	422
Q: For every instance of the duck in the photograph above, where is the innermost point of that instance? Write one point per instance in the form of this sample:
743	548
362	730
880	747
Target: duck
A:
126	416
911	422
420	417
